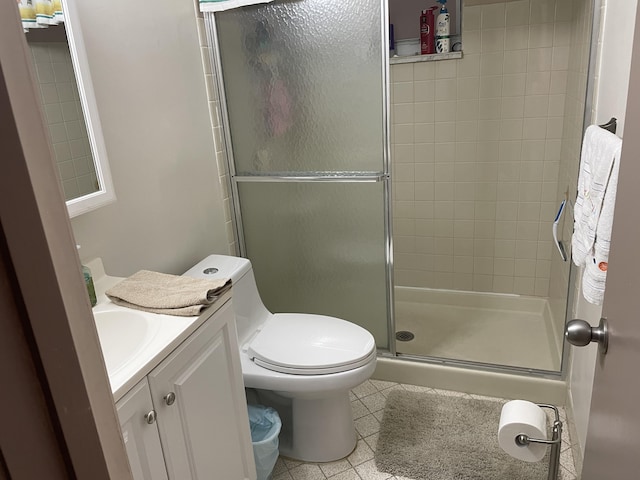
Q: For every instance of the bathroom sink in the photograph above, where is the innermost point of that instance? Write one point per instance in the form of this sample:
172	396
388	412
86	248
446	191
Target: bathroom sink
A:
123	336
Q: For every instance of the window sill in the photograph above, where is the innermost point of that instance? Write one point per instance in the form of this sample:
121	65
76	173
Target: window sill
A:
425	58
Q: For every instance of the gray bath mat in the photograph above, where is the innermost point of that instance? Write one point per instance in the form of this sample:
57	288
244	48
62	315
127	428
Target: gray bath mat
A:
433	437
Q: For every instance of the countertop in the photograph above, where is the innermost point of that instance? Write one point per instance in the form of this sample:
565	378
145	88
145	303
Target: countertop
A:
165	333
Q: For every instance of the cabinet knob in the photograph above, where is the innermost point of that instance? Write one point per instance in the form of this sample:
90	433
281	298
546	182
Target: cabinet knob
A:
170	398
150	417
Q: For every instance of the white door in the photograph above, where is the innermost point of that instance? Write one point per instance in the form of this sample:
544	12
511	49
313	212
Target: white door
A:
613	441
140	433
199	397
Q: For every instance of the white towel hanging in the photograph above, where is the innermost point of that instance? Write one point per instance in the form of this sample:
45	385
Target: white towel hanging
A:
593	210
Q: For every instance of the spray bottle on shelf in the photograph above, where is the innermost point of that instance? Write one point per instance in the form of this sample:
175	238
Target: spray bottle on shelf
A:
442	29
427	36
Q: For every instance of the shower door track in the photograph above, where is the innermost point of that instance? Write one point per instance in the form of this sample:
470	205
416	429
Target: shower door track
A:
481	366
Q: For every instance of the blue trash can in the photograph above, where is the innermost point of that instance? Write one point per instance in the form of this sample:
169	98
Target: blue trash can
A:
265	426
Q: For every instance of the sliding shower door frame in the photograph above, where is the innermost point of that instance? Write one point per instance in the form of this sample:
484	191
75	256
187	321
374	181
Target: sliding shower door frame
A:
384	176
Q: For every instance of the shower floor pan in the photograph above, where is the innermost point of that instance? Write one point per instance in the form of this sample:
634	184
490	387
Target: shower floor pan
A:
511	330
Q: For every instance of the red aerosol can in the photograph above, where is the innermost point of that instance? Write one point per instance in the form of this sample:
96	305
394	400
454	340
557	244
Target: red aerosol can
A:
427	33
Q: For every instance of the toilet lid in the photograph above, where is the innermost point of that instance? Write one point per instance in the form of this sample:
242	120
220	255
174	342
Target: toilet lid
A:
305	344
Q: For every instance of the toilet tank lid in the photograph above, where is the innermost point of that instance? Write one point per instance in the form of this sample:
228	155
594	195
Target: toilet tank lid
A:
216	267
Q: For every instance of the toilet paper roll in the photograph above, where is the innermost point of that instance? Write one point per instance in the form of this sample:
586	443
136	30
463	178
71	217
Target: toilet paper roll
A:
521	416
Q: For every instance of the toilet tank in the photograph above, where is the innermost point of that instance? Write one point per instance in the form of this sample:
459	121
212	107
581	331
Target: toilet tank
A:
248	308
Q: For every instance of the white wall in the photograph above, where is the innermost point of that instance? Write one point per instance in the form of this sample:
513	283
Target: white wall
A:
610	98
149	81
614	61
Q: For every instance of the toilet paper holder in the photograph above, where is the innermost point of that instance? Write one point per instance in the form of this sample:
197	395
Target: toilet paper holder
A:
523	440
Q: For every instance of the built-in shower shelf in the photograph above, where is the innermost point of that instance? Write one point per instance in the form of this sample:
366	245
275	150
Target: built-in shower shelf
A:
425	58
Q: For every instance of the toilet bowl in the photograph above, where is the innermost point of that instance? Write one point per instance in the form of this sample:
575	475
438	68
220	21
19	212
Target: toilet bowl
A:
303	365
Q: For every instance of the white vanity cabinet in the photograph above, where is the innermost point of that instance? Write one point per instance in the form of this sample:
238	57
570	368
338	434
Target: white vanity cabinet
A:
198	399
140	433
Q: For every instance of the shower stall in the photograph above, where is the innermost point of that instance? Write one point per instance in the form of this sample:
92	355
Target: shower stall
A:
414	196
485	149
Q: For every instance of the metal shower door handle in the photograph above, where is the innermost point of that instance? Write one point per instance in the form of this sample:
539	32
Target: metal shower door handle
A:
580	333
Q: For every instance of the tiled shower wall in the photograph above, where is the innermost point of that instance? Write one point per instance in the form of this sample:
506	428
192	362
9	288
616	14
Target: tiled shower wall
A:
476	148
63	112
494	119
216	124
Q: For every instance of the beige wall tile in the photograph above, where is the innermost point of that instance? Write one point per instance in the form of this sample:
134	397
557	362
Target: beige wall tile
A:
445	89
514	84
403	92
541	35
515	61
524	285
445	111
469	66
403	113
424	132
467	109
517	13
402	72
538	83
402	153
492	40
424	112
535	128
424	71
493	16
472	18
486	144
543	11
424	153
489	130
446	69
517	38
445	131
468	88
491	63
491	87
423	91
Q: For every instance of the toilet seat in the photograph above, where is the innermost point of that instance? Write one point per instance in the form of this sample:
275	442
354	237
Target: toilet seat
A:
305	344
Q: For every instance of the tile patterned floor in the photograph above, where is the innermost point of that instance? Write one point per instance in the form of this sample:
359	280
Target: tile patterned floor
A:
368	401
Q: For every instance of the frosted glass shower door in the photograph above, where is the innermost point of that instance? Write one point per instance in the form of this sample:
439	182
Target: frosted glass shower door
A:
305	122
319	248
304	85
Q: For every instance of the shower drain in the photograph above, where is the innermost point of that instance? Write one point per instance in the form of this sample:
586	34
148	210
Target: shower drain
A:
404	336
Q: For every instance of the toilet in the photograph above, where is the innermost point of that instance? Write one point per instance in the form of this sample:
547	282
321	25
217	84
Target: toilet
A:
302	365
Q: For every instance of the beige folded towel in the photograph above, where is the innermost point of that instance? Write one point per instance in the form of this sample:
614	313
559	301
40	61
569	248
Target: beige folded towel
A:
168	294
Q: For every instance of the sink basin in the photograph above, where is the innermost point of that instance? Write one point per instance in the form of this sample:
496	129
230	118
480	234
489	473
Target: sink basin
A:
123	335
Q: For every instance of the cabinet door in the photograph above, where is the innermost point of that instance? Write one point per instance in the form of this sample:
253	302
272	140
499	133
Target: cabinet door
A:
141	438
205	429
